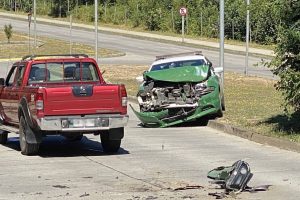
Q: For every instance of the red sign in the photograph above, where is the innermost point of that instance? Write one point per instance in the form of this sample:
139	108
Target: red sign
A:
183	11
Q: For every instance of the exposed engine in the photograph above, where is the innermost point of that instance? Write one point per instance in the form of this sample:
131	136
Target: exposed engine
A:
158	95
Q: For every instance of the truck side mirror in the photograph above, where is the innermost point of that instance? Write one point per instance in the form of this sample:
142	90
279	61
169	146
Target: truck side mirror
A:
2	81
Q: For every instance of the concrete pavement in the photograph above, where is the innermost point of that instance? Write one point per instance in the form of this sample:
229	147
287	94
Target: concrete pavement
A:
150	165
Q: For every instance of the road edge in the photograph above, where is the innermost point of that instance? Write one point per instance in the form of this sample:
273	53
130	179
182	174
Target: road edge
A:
255	137
280	143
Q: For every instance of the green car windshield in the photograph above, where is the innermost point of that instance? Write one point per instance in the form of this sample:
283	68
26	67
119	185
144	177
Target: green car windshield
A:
176	64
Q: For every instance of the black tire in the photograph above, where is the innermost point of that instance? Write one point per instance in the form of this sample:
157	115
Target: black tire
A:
73	138
109	146
3	137
26	148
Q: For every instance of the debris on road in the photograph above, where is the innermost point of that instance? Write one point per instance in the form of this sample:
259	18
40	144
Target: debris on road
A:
233	179
189	187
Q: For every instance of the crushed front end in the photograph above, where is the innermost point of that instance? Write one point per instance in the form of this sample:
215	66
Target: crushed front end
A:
166	98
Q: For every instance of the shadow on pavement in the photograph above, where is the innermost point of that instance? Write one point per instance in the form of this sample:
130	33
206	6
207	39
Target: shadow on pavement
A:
203	121
287	123
58	146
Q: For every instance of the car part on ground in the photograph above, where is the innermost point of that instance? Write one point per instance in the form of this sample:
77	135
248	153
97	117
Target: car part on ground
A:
233	179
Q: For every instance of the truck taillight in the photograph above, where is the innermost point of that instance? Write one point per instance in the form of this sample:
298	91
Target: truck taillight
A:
123	96
39	101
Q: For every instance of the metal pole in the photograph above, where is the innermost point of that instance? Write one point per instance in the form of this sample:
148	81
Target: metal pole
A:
70	34
29	48
201	24
222	34
247	38
34	27
182	28
68	6
96	30
173	23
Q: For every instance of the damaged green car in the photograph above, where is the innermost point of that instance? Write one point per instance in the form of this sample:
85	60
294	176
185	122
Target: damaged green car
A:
179	89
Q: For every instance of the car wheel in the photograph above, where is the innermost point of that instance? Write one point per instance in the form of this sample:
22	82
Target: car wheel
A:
26	148
3	137
73	138
108	145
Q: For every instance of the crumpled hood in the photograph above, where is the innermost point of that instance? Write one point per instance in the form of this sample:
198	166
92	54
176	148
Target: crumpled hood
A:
180	74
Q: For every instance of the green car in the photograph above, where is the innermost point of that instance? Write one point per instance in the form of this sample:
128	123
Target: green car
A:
179	88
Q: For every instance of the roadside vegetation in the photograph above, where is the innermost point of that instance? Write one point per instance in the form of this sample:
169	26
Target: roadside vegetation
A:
251	103
163	16
19	47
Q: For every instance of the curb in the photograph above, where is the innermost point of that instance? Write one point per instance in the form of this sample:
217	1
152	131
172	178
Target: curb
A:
249	135
255	137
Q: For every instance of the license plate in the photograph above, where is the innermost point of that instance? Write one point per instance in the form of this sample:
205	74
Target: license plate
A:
78	123
90	122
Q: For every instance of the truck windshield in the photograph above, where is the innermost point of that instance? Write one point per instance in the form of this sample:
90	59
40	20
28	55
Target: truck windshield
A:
62	72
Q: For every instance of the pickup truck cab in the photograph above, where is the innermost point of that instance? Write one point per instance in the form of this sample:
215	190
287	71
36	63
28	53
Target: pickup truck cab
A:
61	94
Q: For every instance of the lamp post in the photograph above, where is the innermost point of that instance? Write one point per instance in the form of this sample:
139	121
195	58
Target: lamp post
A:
222	34
96	30
247	38
29	22
34	27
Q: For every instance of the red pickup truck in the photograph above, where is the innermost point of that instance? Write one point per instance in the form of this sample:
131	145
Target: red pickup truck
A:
61	94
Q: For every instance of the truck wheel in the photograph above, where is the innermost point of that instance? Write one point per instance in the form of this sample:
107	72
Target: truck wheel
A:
3	137
26	148
108	145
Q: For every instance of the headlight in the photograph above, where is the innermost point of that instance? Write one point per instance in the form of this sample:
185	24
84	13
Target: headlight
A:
201	86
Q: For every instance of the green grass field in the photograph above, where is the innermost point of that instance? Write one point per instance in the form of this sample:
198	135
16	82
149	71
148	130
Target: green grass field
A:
18	47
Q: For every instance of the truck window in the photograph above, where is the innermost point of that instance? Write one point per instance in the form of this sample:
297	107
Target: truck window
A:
11	76
20	75
61	72
89	72
56	72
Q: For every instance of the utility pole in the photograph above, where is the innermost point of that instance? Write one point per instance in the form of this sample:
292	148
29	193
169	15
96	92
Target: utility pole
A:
29	22
34	27
71	43
68	6
247	38
96	30
222	34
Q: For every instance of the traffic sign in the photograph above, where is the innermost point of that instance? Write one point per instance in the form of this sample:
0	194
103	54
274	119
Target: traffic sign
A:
183	11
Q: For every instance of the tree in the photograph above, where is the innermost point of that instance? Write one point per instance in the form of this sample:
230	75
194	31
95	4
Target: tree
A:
286	64
8	32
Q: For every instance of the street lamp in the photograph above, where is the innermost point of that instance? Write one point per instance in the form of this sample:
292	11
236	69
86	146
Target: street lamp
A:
247	38
96	30
34	27
222	34
29	22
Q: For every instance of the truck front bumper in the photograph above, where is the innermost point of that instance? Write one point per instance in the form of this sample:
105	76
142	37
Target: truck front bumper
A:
82	123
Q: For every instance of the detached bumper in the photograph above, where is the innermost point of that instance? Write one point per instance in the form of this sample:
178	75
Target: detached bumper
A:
82	123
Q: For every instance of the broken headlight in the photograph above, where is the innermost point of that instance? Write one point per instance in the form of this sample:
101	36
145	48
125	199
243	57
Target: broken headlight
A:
201	86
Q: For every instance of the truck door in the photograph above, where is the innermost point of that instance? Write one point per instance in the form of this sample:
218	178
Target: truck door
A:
10	93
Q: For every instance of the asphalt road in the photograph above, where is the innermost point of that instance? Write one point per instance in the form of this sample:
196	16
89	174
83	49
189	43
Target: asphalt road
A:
150	165
138	51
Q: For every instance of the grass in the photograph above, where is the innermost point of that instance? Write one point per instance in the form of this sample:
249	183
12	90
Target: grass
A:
18	47
252	103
